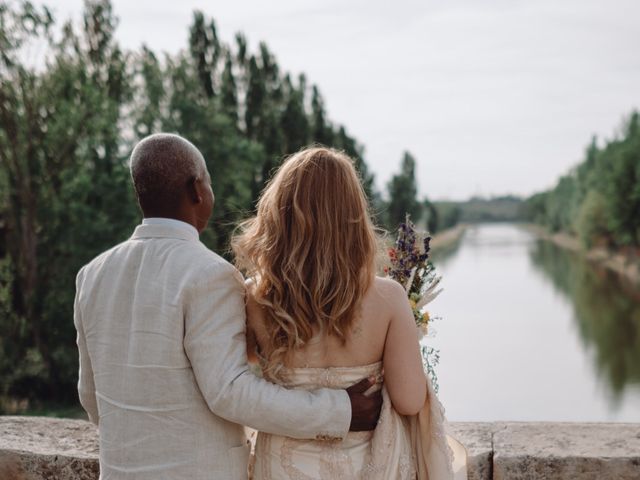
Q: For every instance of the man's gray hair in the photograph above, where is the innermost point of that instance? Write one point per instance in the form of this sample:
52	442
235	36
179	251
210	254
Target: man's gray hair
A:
162	165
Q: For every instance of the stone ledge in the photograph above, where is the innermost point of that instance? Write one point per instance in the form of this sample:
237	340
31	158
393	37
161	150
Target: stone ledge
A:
37	448
478	440
40	448
585	451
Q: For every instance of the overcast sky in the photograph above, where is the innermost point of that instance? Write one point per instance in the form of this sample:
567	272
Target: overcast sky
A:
490	96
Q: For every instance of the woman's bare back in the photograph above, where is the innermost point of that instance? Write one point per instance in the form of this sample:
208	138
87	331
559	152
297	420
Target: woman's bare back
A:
384	331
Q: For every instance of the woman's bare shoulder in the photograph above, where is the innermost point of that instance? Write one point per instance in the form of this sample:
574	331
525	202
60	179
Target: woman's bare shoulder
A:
382	300
388	290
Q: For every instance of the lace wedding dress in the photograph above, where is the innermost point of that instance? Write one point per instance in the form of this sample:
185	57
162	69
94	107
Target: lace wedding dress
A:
415	447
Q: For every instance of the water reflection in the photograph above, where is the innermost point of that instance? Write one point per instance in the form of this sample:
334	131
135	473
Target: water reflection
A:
531	332
606	308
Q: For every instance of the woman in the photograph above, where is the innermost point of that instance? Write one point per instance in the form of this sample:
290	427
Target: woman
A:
318	316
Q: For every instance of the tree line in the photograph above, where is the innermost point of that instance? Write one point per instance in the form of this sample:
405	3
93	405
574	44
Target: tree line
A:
69	117
599	199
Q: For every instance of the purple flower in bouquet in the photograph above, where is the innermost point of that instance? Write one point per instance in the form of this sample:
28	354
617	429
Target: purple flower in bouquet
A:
409	265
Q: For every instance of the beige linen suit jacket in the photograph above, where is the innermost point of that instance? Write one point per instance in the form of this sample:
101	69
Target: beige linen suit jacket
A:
163	365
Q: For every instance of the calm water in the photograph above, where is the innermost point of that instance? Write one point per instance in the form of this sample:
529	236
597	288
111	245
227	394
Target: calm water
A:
533	332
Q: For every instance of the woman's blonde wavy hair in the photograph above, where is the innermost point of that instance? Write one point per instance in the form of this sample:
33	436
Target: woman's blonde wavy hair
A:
310	249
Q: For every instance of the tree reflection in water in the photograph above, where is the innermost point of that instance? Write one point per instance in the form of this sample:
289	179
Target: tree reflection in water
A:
607	310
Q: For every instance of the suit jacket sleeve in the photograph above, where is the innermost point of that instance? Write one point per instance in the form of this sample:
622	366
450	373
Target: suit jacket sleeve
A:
215	343
86	387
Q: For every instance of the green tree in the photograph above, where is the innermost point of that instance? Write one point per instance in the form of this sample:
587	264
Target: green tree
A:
229	157
294	121
150	96
622	188
342	141
66	130
535	208
448	215
321	131
67	194
432	216
591	222
228	90
205	51
403	191
599	199
561	204
255	98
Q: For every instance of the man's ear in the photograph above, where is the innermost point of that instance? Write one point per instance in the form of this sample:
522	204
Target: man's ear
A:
194	190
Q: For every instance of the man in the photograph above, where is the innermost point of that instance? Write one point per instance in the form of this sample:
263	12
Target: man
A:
161	321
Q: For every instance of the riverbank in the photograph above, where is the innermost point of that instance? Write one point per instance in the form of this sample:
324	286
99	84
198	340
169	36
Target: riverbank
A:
448	238
625	266
36	448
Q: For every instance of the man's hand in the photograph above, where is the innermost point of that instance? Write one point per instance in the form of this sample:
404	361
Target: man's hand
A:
365	409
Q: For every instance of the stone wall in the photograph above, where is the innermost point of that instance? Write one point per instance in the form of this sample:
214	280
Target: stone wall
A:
550	451
58	449
47	448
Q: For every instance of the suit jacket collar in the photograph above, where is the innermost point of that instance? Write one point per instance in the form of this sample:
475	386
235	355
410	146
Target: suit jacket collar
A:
164	231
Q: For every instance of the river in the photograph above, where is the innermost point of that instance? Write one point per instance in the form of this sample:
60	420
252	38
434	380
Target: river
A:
532	332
